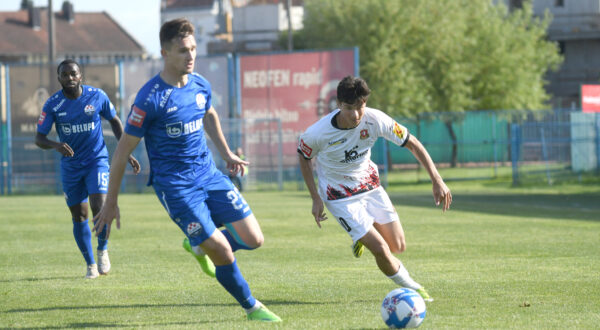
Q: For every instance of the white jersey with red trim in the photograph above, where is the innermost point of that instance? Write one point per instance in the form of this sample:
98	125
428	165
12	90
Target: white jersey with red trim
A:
343	156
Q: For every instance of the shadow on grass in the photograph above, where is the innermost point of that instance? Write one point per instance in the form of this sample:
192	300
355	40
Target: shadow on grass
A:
86	325
584	206
68	308
38	279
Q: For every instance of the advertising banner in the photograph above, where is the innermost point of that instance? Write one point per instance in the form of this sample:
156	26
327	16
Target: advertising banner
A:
590	98
296	88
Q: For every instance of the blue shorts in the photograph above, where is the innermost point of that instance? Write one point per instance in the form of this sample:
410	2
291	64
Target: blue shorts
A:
200	210
78	184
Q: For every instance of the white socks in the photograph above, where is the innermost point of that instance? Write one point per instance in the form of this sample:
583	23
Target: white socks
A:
253	308
402	278
198	251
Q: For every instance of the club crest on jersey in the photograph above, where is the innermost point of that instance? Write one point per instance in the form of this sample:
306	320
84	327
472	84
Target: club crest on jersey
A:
399	131
89	109
193	229
174	129
200	101
364	134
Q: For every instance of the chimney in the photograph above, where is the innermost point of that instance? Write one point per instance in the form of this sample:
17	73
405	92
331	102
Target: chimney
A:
34	17
68	12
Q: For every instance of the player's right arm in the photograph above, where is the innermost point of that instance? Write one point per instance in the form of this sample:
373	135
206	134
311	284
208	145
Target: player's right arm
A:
42	141
110	209
44	125
308	148
318	209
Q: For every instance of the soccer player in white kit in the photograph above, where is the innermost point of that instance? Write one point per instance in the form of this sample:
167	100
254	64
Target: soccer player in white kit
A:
348	181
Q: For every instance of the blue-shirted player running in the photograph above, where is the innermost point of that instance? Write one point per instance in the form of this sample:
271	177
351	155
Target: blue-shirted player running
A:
171	112
75	111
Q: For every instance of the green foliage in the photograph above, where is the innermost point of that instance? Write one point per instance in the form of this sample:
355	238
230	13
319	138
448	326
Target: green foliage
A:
439	55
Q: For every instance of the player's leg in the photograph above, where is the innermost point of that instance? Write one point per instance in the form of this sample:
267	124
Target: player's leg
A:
229	208
97	186
228	274
76	198
388	225
192	215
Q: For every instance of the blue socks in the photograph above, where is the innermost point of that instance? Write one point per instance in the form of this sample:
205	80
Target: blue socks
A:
83	237
102	241
234	282
235	244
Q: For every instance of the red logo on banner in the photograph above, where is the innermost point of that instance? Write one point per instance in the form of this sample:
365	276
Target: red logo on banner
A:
590	98
42	117
136	117
305	149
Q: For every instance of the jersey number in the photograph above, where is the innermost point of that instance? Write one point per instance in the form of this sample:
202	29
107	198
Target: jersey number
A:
344	224
237	200
103	179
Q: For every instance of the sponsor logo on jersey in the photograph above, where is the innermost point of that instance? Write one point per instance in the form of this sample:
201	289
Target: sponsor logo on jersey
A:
305	149
89	109
69	129
364	134
399	131
42	117
193	229
200	101
56	107
171	109
336	142
136	117
352	155
174	129
62	114
177	129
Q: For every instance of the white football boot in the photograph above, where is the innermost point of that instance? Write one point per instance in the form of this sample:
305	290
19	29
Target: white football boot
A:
103	262
92	271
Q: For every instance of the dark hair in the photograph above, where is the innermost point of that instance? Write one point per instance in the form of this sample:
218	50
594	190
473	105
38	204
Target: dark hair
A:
352	90
67	62
177	28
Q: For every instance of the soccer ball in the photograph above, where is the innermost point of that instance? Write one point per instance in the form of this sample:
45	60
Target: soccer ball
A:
403	308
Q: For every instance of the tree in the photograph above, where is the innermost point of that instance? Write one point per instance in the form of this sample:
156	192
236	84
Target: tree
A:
440	55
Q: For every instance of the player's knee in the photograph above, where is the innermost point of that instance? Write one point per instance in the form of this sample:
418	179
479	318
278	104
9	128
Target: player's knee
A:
254	241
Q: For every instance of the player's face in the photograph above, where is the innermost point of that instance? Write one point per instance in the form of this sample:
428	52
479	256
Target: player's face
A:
351	114
181	55
69	77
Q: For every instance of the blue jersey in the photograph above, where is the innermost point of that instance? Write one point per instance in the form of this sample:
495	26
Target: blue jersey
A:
78	124
170	121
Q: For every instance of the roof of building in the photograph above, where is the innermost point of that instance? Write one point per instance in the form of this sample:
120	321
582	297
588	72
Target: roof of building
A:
181	4
270	2
89	33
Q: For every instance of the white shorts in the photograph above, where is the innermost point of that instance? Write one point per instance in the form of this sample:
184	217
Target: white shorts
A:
357	214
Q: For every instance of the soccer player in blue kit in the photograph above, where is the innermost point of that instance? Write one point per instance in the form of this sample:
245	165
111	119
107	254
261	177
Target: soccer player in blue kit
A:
76	110
171	112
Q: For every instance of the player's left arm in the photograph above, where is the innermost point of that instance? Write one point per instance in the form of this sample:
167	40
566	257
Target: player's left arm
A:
441	192
212	126
117	127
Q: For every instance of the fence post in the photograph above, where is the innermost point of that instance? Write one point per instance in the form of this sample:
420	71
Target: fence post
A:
2	140
514	151
494	144
597	142
8	134
280	152
545	155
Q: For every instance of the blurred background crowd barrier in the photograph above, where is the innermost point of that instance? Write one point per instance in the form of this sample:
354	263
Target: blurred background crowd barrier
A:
266	101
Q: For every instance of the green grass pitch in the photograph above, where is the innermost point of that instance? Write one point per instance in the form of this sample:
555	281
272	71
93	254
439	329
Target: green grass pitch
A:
522	258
